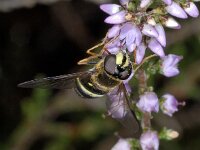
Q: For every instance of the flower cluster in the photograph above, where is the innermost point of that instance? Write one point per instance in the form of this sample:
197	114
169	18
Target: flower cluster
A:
138	26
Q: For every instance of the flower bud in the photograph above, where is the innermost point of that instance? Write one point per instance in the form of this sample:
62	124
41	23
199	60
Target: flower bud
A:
110	8
191	9
155	47
116	18
172	23
175	10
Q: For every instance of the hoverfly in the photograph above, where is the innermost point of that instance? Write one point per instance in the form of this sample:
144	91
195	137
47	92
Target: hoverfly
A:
107	75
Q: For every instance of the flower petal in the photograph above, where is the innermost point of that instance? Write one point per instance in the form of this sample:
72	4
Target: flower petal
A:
172	23
191	9
110	8
131	47
156	47
161	34
140	52
168	2
175	10
114	31
116	18
149	30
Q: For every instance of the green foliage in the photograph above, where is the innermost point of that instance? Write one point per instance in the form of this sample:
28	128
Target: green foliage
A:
32	107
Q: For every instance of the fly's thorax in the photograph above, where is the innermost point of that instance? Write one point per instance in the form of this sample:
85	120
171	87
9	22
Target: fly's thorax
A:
118	66
102	80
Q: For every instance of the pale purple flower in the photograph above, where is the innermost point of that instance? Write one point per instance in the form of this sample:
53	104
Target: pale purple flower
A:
191	9
117	18
172	23
144	3
131	34
131	47
149	140
175	10
124	2
169	65
148	102
149	30
122	144
110	9
114	46
170	104
168	2
155	47
140	52
161	34
114	31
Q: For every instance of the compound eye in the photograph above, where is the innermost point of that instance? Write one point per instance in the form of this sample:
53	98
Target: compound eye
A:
110	64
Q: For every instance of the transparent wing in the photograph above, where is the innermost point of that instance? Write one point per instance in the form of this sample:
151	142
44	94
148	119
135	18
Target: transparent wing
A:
118	106
56	82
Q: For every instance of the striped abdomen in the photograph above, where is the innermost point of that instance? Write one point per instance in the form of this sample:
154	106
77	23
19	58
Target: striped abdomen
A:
96	85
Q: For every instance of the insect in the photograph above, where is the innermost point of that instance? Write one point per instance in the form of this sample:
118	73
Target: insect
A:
106	77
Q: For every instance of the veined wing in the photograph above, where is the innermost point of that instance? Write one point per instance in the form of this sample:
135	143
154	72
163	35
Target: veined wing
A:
57	82
118	106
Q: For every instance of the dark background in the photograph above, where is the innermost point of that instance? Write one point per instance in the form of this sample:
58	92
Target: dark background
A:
48	39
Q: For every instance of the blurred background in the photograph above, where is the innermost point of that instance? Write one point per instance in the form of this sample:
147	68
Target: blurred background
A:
47	38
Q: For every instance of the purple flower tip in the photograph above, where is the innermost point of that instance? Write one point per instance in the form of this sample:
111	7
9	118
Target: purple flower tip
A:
110	8
149	140
117	18
131	34
175	10
114	31
140	52
191	9
155	47
149	30
148	102
168	2
169	65
161	35
169	105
